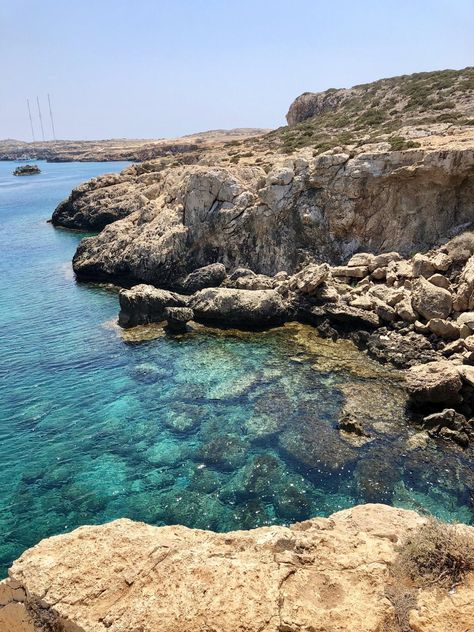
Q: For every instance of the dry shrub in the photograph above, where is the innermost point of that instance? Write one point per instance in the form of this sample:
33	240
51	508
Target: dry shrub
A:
461	247
403	600
437	554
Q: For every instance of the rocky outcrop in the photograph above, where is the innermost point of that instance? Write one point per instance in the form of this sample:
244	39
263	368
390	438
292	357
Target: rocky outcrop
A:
145	304
240	308
97	202
385	100
324	574
322	208
27	170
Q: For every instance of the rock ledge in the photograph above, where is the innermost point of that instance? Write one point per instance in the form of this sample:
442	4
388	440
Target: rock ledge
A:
324	574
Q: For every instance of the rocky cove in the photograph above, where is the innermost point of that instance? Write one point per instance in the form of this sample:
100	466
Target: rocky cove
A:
298	338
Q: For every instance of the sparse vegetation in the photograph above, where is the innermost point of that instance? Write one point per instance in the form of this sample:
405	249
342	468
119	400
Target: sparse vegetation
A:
379	110
397	143
436	554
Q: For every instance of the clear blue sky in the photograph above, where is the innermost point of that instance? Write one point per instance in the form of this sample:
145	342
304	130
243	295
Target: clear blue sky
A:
162	68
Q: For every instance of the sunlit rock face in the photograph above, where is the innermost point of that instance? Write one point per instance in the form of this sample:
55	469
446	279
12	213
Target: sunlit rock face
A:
326	574
325	207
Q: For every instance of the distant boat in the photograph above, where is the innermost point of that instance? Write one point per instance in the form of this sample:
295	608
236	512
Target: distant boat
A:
24	157
27	170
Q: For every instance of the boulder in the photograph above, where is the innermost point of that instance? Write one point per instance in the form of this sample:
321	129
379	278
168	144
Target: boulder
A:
241	272
431	301
466	324
422	266
434	382
441	261
309	279
379	274
255	282
440	281
143	304
240	308
469	343
405	311
444	328
388	295
361	259
351	272
207	276
178	317
464	298
351	317
382	260
446	418
467	374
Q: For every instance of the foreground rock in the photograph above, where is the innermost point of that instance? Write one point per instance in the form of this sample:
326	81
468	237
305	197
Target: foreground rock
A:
322	574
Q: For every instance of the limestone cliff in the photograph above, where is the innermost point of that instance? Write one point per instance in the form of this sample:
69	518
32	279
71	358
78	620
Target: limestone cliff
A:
323	208
380	167
326	574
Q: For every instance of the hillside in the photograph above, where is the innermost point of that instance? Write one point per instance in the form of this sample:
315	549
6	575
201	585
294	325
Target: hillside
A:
395	110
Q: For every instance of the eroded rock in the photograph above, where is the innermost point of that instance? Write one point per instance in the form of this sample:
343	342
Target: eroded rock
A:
322	574
244	308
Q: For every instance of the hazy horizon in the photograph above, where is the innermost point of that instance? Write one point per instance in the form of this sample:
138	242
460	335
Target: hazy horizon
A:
166	69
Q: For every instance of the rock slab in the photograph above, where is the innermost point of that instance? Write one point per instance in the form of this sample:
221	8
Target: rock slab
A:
324	574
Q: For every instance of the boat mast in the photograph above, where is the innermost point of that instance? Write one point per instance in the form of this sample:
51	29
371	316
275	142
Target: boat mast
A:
40	118
51	117
31	120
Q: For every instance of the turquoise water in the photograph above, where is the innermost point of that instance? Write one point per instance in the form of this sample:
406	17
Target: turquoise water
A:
212	429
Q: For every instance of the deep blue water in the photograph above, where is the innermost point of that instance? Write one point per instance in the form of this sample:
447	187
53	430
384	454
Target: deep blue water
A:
211	429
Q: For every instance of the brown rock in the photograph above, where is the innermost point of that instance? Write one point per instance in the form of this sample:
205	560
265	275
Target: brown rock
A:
433	382
431	301
321	574
309	279
444	328
422	266
440	281
350	272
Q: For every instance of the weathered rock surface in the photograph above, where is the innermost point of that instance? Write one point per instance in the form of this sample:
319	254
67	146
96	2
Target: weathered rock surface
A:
243	308
324	207
431	301
434	382
144	304
324	574
177	318
208	276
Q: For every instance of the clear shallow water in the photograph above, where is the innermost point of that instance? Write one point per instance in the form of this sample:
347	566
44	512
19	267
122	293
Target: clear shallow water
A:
213	429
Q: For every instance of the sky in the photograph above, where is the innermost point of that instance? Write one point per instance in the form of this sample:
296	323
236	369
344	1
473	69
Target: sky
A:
165	68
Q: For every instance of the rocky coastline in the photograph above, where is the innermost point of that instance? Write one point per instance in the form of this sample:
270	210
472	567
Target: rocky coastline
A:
416	314
356	223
